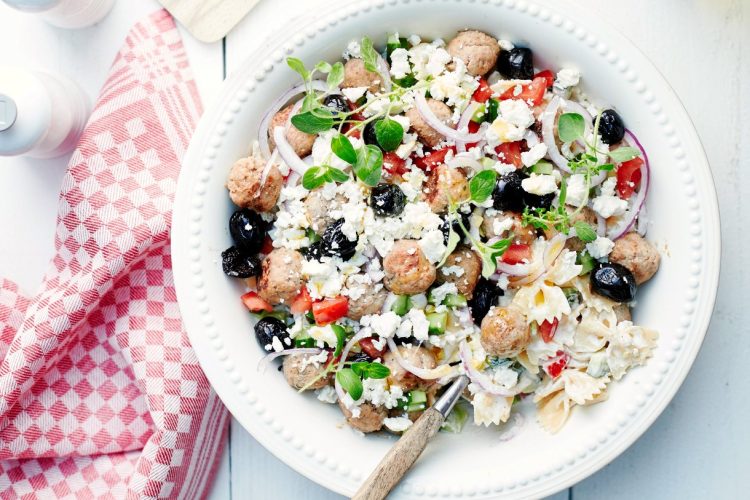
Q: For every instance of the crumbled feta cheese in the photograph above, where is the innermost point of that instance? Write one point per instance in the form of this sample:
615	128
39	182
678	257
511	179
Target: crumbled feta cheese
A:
277	345
539	184
433	246
600	247
400	63
506	45
576	190
354	93
353	49
439	293
374	391
499	226
397	424
414	324
457	271
516	112
385	325
609	206
533	155
327	394
324	335
415	40
567	77
428	59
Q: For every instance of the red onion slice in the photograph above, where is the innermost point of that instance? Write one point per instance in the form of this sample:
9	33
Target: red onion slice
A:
423	373
519	270
548	135
463	123
464	160
480	378
440	127
287	152
266	360
627	221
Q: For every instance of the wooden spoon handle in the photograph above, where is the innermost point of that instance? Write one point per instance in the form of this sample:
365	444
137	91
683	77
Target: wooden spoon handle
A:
400	457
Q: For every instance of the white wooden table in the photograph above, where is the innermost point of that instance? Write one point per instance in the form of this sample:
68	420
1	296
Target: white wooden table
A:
699	447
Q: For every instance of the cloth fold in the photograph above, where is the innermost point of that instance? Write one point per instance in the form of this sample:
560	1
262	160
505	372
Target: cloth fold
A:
101	394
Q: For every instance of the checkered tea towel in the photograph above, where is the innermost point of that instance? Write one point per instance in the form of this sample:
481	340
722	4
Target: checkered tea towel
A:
101	395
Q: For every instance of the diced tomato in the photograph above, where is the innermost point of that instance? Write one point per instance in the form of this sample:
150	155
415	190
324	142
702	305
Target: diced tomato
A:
329	310
394	164
473	128
532	93
302	302
483	92
557	364
256	304
517	254
510	153
629	177
547	75
547	330
433	159
359	117
370	349
267	245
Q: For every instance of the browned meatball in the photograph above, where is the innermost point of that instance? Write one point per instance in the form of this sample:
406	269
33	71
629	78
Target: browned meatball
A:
318	210
478	50
370	417
281	276
504	332
301	142
585	215
356	75
522	235
407	270
370	302
302	374
445	184
417	356
622	312
247	190
428	135
463	267
638	255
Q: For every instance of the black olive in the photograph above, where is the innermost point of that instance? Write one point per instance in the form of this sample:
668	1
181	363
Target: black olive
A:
445	227
268	328
387	200
517	63
359	357
248	230
485	296
239	264
314	251
337	104
336	244
611	127
613	281
538	201
508	193
368	135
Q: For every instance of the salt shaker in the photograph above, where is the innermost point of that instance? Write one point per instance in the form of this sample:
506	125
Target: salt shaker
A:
42	114
70	14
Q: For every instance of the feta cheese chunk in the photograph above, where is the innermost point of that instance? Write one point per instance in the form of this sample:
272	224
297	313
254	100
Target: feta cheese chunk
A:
539	184
354	93
400	63
567	77
600	248
533	155
397	424
577	192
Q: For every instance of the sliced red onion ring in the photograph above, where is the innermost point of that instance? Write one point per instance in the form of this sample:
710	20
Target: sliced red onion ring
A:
531	138
627	221
519	270
266	360
287	151
440	127
363	334
463	122
439	371
464	160
548	135
385	73
553	250
267	168
642	225
480	378
575	107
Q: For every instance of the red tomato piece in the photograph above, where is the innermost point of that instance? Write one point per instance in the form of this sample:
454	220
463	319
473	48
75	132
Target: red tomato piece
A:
510	153
629	177
483	92
393	164
547	75
432	159
517	254
557	364
255	303
267	245
473	128
329	310
370	349
547	330
302	302
532	93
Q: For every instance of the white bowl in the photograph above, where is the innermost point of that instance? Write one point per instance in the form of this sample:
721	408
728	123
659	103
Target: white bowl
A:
309	435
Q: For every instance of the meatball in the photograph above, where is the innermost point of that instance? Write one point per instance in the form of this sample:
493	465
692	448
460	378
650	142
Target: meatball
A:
300	373
281	276
248	189
585	215
370	417
301	142
504	332
445	184
477	50
622	312
463	268
428	135
407	270
318	210
638	255
417	356
370	302
494	226
356	75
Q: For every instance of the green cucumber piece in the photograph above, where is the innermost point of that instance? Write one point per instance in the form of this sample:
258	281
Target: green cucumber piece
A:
417	401
587	261
491	107
305	342
542	167
438	323
479	114
401	305
455	300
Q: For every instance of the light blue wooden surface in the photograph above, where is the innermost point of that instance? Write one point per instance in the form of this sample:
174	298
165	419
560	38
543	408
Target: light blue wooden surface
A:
699	447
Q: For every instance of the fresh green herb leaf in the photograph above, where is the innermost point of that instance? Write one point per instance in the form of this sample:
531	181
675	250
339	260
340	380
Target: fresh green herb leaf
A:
298	66
312	122
312	235
584	232
340	339
563	193
336	175
389	134
335	76
369	56
350	382
482	185
323	67
455	421
371	370
369	165
570	127
623	154
406	82
587	261
342	147
314	177
309	103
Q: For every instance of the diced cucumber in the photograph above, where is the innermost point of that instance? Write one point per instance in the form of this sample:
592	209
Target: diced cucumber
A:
438	322
491	106
487	162
542	167
393	43
401	305
417	401
479	114
455	300
455	421
587	261
304	342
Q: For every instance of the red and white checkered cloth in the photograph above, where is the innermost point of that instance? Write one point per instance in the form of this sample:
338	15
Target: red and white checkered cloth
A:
101	394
